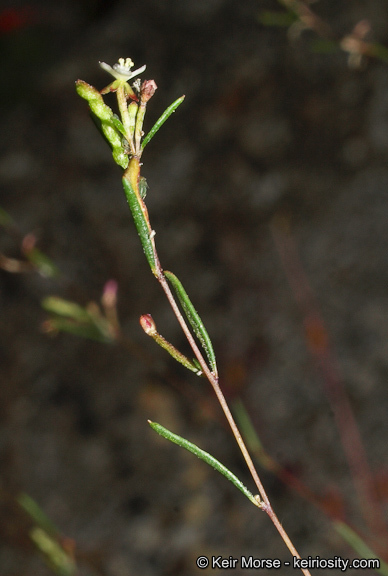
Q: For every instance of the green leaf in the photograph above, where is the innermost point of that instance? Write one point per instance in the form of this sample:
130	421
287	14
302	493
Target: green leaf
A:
46	538
75	319
36	513
96	101
57	558
43	263
6	219
276	18
166	114
194	319
113	138
323	46
65	308
107	122
120	157
205	456
118	125
139	210
378	51
89	331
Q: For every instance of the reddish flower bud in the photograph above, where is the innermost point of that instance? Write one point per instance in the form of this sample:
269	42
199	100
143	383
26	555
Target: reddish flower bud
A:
147	90
109	295
148	324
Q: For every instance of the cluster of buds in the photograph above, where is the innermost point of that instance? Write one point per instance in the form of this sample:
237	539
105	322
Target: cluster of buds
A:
124	134
126	138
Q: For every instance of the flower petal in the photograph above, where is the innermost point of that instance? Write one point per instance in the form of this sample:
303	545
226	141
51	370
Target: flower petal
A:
120	71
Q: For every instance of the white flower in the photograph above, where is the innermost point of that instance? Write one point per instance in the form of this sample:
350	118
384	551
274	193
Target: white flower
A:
122	70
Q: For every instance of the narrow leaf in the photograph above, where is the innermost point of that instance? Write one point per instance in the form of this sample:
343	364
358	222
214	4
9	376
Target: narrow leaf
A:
70	317
205	456
36	513
118	124
139	210
57	558
194	319
166	114
43	263
66	308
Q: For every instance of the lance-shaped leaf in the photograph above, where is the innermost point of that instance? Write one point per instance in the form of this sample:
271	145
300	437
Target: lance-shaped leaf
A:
206	457
118	125
166	114
149	327
194	319
139	210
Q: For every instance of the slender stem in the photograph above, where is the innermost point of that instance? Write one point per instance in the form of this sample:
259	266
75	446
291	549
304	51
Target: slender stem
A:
139	127
123	107
262	499
284	535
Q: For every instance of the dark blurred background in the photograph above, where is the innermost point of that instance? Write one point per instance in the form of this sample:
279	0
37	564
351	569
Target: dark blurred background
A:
273	170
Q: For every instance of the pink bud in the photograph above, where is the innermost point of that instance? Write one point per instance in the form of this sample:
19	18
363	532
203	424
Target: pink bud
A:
148	324
109	295
147	90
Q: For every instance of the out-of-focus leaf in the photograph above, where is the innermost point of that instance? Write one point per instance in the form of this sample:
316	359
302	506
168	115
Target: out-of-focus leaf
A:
43	263
277	18
54	554
36	513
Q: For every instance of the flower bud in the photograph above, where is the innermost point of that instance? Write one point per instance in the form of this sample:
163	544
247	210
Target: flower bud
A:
148	89
109	296
148	324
